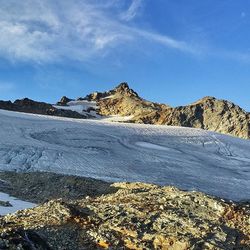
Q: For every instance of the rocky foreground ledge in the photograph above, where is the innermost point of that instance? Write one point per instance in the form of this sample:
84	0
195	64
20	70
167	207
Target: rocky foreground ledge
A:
134	216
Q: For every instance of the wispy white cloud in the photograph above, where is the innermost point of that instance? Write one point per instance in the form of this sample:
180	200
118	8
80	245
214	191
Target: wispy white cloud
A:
132	11
169	42
48	31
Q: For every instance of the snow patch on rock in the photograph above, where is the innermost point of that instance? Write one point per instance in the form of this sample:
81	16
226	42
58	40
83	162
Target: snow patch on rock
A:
16	204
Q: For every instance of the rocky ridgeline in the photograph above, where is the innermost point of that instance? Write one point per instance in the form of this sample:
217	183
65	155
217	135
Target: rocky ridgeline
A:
208	113
29	106
137	216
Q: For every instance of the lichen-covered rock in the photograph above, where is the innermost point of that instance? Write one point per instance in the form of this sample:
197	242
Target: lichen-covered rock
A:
137	216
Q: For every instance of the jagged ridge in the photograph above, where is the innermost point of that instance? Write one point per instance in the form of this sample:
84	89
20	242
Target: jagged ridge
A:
207	113
29	106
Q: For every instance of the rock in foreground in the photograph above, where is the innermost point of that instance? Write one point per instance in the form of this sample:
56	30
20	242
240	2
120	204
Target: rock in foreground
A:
137	216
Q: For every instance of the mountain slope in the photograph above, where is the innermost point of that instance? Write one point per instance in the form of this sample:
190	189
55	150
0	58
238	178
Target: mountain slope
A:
211	114
208	113
124	101
188	158
29	106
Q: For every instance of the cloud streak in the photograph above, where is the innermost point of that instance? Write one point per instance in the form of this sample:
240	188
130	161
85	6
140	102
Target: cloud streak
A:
132	11
45	31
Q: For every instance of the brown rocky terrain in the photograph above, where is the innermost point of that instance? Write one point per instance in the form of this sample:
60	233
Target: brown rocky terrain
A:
208	113
125	102
137	216
29	106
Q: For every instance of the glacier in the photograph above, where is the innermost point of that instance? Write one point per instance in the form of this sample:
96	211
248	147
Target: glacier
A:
191	159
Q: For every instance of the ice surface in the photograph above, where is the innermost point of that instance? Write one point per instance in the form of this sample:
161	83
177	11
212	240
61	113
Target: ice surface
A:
16	204
151	146
116	118
188	158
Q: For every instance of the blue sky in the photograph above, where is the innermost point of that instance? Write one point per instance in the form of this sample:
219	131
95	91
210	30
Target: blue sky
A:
169	51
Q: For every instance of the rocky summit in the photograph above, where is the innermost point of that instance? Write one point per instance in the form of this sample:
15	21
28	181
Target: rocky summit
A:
137	216
208	113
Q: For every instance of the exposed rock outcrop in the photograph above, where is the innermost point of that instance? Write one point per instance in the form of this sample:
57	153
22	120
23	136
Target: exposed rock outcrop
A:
137	216
208	113
211	114
29	106
64	100
124	101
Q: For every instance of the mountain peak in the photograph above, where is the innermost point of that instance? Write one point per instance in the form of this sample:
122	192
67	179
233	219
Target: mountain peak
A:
123	88
208	98
204	100
123	85
64	100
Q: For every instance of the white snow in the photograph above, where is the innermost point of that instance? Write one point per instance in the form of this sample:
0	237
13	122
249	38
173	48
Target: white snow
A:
116	118
150	146
108	97
16	204
80	107
188	158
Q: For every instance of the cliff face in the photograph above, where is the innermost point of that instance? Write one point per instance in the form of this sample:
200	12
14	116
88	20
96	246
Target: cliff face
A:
137	216
211	114
208	113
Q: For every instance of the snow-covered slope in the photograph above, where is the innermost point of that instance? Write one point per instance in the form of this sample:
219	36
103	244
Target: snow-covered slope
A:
184	157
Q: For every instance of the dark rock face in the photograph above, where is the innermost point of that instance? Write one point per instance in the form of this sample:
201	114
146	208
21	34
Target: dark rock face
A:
64	100
5	204
208	113
124	88
29	106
